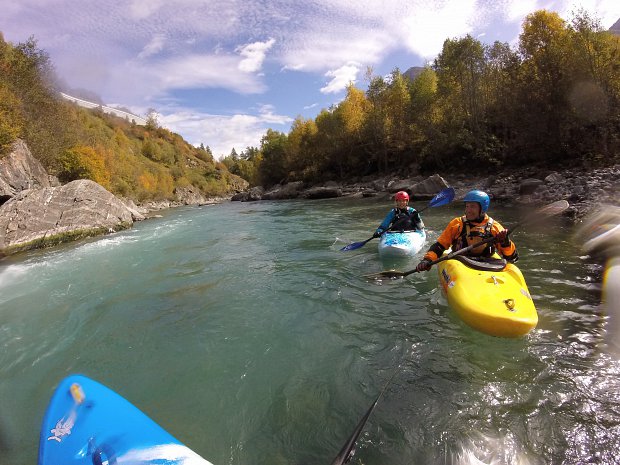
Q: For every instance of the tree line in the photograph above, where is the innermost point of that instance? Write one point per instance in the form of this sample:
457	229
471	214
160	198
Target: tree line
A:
138	162
552	100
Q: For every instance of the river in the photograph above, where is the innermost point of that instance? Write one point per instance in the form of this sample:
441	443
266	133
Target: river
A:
244	331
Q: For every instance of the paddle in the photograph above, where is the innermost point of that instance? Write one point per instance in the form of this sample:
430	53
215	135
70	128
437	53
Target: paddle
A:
348	450
442	198
552	209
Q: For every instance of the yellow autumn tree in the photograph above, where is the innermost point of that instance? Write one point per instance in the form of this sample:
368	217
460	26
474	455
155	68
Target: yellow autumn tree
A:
83	162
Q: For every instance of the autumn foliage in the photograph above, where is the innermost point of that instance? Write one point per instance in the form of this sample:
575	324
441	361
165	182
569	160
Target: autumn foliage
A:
553	101
142	163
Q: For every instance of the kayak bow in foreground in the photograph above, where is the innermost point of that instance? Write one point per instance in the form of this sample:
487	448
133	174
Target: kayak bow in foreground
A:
86	423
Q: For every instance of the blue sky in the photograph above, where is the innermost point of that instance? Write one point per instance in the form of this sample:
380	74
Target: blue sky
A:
221	72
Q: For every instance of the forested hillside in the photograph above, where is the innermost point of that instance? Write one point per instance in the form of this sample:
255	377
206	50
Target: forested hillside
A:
139	162
553	101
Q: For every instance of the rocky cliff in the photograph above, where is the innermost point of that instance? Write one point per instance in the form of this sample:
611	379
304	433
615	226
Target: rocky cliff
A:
36	211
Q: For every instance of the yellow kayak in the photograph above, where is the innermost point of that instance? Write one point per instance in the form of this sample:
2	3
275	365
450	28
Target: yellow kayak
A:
490	296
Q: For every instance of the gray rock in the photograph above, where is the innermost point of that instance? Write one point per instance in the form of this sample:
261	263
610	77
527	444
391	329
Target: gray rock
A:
19	171
322	193
529	186
429	187
137	213
288	191
51	215
399	185
239	197
190	195
554	177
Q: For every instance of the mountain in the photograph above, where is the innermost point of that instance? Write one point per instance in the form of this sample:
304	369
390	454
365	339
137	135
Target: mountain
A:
615	29
413	72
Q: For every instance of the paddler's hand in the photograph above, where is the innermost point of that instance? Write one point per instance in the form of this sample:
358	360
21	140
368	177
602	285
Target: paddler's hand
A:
424	265
502	238
376	234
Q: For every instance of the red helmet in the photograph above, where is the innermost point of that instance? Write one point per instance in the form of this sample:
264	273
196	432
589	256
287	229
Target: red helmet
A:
401	195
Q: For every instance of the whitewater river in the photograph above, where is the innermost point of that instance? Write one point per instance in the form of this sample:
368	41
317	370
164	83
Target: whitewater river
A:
244	331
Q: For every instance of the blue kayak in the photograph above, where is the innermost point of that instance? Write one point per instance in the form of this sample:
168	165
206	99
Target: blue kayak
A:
401	244
87	423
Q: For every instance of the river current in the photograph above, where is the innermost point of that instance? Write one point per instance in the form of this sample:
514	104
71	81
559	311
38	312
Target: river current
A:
245	332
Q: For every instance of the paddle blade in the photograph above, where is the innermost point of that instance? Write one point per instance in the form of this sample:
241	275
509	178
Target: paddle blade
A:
354	246
442	198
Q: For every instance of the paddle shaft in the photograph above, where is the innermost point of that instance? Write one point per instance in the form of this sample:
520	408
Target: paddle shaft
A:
461	251
346	452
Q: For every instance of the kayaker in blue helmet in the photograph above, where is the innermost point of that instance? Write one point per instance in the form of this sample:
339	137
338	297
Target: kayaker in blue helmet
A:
401	217
469	229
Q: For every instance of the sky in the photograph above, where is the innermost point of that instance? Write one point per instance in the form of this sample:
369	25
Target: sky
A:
222	72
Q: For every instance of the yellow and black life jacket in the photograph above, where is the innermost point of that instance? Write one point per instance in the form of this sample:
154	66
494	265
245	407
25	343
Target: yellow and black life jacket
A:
471	234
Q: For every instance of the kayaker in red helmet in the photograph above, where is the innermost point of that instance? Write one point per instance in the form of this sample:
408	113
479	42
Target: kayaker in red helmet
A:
475	226
401	217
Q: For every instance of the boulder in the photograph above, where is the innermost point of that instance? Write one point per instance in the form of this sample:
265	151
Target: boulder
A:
287	191
19	171
429	187
239	197
529	186
190	195
38	217
554	177
254	194
321	192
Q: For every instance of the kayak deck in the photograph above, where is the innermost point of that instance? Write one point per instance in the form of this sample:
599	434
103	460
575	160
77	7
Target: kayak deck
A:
495	301
401	244
87	423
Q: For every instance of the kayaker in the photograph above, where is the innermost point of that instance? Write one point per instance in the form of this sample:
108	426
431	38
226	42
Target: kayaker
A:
401	217
475	226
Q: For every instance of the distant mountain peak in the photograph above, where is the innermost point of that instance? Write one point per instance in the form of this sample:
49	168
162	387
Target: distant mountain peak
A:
615	29
414	72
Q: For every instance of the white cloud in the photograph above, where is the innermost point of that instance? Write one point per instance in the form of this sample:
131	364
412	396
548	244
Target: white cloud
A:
341	78
142	9
254	55
322	50
138	80
608	12
425	30
223	133
516	11
155	46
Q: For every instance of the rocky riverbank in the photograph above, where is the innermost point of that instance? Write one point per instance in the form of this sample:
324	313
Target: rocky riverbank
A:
36	211
585	190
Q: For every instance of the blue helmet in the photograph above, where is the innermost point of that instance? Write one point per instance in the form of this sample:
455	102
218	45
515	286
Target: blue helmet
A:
478	196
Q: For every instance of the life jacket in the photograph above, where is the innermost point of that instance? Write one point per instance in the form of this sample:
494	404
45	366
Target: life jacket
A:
472	234
403	220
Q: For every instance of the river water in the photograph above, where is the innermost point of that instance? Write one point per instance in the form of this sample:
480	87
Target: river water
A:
244	331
